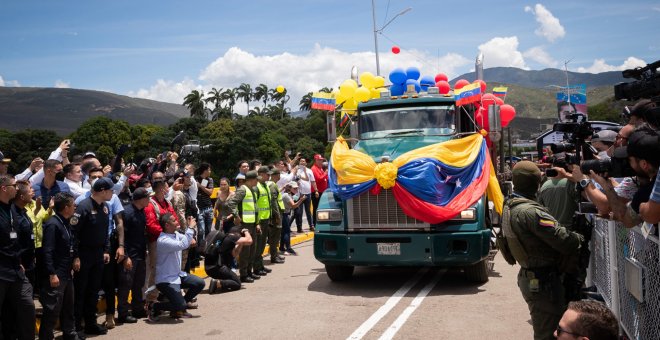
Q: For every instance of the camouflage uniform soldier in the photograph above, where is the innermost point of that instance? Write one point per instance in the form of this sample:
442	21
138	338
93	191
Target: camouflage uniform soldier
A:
276	211
538	243
244	207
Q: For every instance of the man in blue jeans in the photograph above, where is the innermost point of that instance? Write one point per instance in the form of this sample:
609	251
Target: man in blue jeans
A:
169	277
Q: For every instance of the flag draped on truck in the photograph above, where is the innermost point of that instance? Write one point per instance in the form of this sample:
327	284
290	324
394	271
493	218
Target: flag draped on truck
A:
432	184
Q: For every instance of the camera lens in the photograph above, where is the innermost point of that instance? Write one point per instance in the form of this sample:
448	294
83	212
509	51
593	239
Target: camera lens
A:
598	166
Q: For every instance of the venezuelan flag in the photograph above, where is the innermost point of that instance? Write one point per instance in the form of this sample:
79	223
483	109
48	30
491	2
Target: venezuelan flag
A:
432	183
468	94
323	101
500	91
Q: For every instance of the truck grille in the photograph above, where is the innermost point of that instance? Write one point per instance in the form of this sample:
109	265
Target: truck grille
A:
380	211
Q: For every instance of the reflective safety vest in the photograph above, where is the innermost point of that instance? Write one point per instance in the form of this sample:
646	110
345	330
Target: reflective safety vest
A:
280	202
263	202
248	206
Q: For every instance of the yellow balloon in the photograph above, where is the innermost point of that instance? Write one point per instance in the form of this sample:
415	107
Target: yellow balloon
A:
367	80
350	106
338	97
279	89
347	88
362	94
375	93
379	81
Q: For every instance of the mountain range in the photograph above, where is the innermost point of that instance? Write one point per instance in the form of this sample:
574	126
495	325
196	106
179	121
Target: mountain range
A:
532	93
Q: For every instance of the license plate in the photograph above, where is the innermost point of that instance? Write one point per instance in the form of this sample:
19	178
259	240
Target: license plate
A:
389	248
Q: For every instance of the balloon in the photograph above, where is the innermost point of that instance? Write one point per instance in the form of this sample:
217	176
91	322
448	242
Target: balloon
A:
499	101
367	80
279	89
338	97
481	118
426	82
443	86
397	89
396	49
350	106
375	93
507	113
412	73
482	84
488	99
347	88
460	83
413	82
441	76
379	82
362	94
398	76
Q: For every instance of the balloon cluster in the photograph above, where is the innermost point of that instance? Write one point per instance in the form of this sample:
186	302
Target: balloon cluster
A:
401	78
507	112
349	93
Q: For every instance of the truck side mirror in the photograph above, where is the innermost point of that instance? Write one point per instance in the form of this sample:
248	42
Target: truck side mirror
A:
495	123
330	126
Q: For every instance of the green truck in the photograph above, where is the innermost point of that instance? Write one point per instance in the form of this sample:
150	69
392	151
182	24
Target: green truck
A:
372	230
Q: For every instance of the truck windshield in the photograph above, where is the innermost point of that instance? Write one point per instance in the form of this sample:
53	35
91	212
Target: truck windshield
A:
402	121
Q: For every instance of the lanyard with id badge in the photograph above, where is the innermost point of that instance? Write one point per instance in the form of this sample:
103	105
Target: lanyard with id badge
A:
68	233
12	234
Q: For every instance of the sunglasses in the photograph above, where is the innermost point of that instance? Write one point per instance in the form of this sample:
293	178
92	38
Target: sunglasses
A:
561	330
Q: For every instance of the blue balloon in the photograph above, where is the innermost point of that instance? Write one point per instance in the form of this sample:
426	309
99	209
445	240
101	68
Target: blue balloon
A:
397	89
413	82
426	82
412	73
398	76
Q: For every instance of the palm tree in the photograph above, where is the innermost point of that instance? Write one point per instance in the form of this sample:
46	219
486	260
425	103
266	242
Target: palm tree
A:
229	97
261	92
194	101
214	96
305	102
244	93
257	111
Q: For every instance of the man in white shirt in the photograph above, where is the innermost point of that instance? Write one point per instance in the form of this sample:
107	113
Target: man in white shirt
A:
306	184
73	177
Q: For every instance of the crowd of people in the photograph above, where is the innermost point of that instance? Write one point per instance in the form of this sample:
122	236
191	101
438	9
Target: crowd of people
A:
544	227
73	230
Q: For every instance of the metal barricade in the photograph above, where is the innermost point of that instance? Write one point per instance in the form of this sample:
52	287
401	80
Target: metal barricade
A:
625	268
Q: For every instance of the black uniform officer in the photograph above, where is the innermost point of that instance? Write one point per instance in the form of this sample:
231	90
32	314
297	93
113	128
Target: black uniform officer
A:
15	289
57	289
90	223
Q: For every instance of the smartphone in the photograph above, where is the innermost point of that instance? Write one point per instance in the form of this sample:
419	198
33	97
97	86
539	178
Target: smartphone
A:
551	173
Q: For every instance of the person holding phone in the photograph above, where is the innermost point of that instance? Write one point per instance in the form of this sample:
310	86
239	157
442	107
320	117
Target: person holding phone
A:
307	185
204	203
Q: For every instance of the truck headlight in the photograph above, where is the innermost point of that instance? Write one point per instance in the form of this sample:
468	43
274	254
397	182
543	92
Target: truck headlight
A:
467	214
329	215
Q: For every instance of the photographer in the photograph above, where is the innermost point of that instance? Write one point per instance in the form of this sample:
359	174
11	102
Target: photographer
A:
643	154
603	141
223	278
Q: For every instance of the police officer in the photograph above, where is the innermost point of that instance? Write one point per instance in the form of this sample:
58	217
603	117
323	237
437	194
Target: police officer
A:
538	243
243	206
276	211
90	223
15	289
57	292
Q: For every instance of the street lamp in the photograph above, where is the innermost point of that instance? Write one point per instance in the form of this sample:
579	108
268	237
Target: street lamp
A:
380	30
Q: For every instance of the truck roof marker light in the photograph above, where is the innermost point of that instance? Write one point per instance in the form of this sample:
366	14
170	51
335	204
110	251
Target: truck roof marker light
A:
415	96
394	97
404	97
433	90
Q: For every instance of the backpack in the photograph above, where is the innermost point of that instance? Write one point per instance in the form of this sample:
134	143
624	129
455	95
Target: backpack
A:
213	241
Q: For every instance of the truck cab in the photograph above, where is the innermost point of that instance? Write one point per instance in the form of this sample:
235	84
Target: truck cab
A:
371	229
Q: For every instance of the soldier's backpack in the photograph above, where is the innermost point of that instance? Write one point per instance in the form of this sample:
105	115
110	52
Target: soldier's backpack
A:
500	239
213	241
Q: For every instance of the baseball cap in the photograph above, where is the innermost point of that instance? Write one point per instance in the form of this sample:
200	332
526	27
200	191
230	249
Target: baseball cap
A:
604	136
263	170
318	156
140	193
251	175
240	176
293	185
3	159
103	183
89	154
275	172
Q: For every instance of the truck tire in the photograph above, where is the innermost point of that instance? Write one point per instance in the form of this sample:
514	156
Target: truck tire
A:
477	272
339	273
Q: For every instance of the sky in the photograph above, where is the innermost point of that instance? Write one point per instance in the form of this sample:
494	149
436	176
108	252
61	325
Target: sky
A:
163	49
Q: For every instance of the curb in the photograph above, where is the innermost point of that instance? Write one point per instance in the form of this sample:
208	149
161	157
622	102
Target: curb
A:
300	238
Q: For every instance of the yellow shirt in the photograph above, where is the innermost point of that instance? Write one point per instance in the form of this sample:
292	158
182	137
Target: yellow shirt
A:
37	221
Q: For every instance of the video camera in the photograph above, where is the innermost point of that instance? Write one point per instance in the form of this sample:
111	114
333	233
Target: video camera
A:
647	84
192	148
612	167
576	132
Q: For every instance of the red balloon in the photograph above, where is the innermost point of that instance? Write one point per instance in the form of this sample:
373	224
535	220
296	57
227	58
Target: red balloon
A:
460	83
396	49
482	84
507	113
441	76
488	99
499	101
443	86
481	118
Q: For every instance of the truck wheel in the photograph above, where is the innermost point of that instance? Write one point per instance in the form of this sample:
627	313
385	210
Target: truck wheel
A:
477	272
339	273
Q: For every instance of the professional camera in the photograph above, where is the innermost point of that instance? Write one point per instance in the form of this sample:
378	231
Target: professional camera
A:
575	132
647	84
193	147
613	167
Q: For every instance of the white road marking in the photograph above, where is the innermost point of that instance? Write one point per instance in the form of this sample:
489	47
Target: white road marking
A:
396	325
384	309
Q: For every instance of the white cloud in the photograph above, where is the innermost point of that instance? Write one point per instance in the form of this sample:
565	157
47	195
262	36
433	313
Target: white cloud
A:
61	84
549	26
502	51
600	65
298	73
539	55
9	83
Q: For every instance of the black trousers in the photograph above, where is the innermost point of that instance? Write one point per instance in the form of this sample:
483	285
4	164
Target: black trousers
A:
131	281
88	283
57	304
110	284
298	212
315	206
228	279
17	296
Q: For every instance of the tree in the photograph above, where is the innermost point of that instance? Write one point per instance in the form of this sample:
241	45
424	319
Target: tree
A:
244	93
194	101
305	102
261	93
215	97
257	111
103	136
